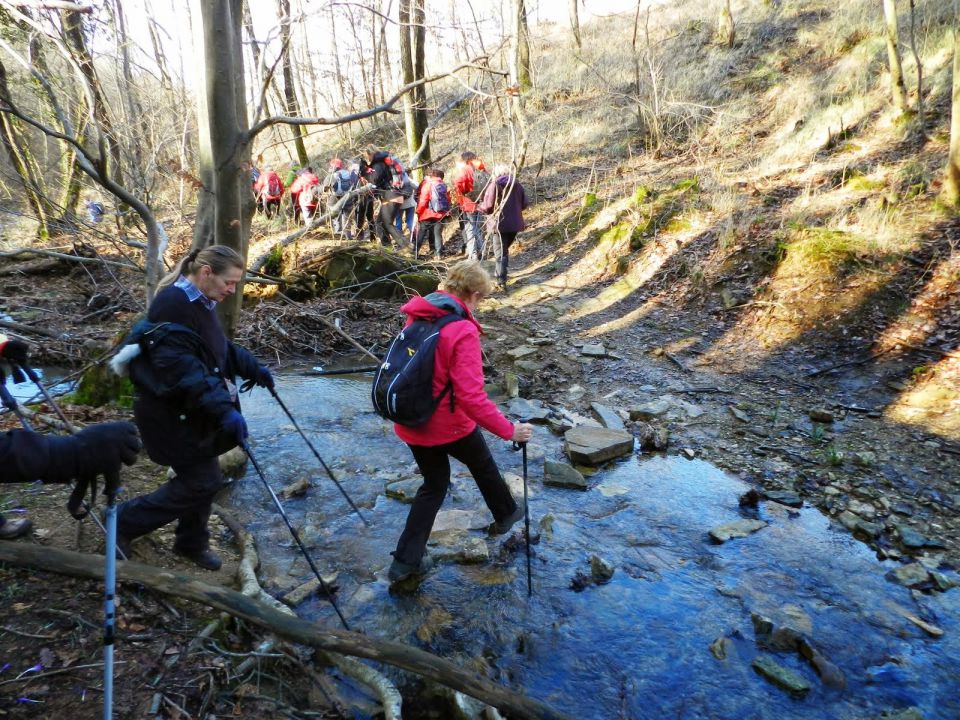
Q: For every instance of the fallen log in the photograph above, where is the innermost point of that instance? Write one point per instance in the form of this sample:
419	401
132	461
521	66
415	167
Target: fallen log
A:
292	628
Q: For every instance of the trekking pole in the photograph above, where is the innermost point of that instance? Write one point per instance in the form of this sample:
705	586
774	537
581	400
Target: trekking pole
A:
293	532
526	518
317	455
110	586
526	514
11	403
35	379
344	371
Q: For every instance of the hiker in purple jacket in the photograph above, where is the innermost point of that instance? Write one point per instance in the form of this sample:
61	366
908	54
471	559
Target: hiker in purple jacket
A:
504	202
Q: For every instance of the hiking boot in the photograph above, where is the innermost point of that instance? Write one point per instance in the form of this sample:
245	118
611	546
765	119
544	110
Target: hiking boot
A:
207	559
401	571
15	528
502	527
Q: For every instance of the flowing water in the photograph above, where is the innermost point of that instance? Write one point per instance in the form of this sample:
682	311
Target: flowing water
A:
635	647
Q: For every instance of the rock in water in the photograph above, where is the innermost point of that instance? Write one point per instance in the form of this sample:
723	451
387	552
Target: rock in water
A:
738	529
592	446
607	416
600	570
781	676
562	475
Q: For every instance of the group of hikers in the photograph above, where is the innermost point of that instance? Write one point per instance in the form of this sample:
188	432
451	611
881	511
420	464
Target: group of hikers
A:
375	196
187	411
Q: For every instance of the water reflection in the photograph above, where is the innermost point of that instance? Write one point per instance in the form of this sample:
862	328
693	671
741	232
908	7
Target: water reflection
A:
636	647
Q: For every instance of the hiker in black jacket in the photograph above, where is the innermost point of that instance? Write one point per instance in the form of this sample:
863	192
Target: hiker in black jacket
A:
186	406
381	177
27	456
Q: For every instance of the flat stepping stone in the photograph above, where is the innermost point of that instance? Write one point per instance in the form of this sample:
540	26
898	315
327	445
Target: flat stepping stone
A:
562	475
607	416
404	490
780	676
738	529
592	446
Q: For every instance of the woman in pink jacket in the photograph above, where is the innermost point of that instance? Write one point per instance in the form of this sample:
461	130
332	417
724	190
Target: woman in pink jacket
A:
454	429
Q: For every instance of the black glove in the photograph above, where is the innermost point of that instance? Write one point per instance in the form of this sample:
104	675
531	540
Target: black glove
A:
263	379
14	350
235	425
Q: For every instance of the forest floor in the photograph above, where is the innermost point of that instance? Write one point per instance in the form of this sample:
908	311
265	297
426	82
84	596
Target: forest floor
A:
746	409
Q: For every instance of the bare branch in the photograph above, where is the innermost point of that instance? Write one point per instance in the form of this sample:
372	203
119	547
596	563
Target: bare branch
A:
387	107
54	5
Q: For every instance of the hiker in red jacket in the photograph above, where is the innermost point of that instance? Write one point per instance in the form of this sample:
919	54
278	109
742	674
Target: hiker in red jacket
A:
307	198
454	429
269	189
469	184
431	212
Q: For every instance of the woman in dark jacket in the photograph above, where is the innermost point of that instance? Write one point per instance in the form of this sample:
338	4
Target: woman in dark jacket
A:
183	368
380	176
504	201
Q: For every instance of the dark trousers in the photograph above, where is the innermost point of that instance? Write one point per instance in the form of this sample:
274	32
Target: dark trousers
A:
364	214
501	252
187	498
386	224
434	463
426	230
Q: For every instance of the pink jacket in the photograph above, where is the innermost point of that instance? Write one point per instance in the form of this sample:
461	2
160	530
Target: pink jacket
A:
458	360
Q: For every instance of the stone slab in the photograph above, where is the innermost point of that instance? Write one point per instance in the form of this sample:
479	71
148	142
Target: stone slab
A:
592	446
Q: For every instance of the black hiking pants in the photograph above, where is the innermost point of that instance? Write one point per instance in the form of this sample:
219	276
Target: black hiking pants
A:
187	498
501	252
434	463
387	224
427	230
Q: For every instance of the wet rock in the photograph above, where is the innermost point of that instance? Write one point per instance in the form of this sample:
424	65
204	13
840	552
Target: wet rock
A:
738	413
607	416
780	676
530	366
562	475
233	463
940	581
311	587
511	384
738	529
867	530
649	410
784	497
575	392
821	415
829	674
540	341
652	437
751	498
931	630
523	351
533	411
462	551
546	525
593	350
692	411
689	453
762	626
612	488
601	570
909	575
783	639
863	509
296	489
461	520
404	490
592	446
721	648
910	538
908	714
436	622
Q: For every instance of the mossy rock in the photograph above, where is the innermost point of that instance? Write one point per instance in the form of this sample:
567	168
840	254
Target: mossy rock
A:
101	386
419	283
589	200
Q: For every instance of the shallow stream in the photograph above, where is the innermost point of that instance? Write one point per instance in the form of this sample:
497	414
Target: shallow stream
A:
635	647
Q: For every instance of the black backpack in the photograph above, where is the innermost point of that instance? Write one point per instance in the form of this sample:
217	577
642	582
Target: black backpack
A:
403	386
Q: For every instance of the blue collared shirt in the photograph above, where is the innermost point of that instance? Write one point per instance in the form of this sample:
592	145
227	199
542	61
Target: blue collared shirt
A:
193	293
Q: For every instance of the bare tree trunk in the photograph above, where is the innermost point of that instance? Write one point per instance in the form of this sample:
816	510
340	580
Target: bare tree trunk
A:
412	62
523	47
726	30
224	145
897	86
919	63
575	24
109	147
338	71
289	91
18	151
951	184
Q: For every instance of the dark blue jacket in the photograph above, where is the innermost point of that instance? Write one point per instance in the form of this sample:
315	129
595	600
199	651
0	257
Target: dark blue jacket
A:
182	394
